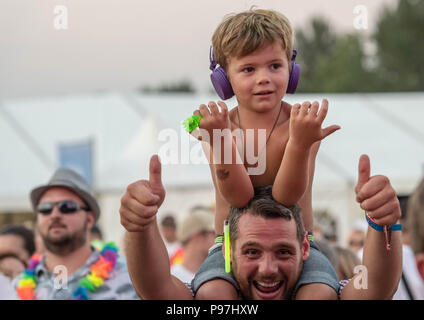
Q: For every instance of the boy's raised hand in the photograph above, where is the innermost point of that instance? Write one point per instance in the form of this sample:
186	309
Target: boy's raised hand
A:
305	123
142	199
212	118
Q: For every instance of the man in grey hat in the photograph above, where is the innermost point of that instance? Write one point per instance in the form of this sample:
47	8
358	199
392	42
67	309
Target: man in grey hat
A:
66	211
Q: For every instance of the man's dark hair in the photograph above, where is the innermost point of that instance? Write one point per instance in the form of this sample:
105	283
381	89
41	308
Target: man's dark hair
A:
264	205
403	202
96	230
21	231
168	221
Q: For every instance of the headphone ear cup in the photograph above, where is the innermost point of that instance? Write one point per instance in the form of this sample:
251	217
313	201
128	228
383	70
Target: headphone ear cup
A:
221	83
293	78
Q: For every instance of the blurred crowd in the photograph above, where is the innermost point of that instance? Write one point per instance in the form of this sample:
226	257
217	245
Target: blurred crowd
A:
187	238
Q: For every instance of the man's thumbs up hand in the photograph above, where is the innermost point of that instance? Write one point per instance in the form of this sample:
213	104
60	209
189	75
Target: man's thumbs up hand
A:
364	171
142	199
155	179
376	195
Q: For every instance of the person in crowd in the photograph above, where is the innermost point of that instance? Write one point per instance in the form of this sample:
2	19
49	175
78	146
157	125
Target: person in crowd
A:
269	243
7	291
346	261
327	249
254	49
96	237
318	231
96	234
11	265
196	234
168	228
19	240
355	240
413	248
70	268
17	245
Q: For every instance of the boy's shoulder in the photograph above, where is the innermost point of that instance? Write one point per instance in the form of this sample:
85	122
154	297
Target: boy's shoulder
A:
284	114
285	111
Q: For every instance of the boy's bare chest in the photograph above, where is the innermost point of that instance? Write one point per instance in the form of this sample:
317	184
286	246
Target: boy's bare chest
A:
265	157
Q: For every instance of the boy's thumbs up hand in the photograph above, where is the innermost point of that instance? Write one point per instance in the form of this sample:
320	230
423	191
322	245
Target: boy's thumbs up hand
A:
376	195
142	199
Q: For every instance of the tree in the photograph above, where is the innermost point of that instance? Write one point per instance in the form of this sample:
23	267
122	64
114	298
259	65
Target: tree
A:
400	46
312	46
343	70
331	62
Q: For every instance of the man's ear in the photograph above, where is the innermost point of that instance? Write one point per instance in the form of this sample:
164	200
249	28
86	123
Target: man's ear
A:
90	220
420	264
305	247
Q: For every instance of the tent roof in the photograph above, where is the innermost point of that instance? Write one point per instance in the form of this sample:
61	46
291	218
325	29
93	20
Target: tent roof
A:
125	129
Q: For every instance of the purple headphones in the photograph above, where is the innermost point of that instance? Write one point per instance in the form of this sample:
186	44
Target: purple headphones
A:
223	86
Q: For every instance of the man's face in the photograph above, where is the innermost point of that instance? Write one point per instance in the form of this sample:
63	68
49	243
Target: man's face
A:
260	79
205	241
356	240
169	233
11	267
15	244
267	259
64	233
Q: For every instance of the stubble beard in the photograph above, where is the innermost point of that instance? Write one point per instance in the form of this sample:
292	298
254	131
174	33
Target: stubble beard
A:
67	243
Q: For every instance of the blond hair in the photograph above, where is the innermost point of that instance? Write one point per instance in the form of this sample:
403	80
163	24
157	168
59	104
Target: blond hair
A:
415	218
347	261
241	34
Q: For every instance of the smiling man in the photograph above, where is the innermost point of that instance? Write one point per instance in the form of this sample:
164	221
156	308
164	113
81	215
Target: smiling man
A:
268	243
268	247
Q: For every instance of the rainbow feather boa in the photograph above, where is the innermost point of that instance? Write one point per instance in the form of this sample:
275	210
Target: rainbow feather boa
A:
99	271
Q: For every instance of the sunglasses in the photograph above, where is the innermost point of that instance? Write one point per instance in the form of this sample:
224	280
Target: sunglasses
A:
65	207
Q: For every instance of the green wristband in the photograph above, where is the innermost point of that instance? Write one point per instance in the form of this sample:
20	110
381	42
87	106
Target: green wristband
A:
191	122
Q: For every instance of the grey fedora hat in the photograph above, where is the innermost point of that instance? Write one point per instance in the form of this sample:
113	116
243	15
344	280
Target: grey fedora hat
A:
71	180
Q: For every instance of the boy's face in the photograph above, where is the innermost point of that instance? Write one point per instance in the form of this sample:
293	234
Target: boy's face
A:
260	79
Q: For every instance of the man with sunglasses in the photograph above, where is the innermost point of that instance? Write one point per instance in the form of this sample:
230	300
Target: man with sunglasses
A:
70	268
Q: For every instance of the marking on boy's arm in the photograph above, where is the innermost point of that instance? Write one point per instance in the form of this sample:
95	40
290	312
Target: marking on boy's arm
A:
222	174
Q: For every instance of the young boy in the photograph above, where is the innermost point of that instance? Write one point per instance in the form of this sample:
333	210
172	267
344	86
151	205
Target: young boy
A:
255	49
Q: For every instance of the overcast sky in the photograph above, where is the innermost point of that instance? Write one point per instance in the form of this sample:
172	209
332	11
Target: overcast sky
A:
125	44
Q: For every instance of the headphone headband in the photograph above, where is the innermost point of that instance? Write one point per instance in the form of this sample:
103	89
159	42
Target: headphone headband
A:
213	63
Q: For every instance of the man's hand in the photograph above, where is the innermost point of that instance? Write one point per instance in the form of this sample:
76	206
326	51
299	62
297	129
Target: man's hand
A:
212	119
142	199
376	195
306	121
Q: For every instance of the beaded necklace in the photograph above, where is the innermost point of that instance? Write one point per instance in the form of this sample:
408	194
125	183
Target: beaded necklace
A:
99	271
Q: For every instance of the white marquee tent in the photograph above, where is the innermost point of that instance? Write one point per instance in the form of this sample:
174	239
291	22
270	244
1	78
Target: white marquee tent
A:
126	129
